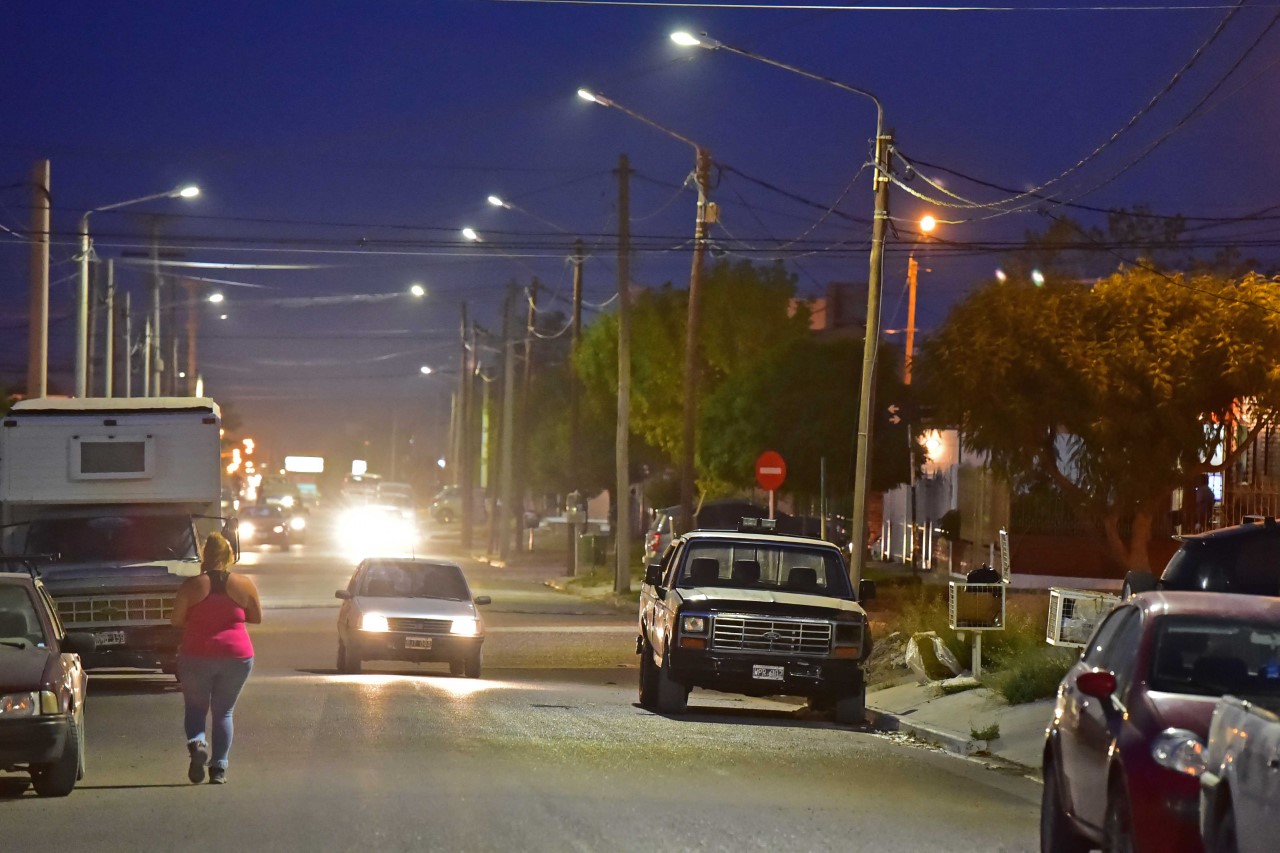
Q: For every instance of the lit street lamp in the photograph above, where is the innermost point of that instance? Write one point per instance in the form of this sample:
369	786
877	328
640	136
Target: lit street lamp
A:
215	298
417	291
426	370
706	215
82	300
880	186
470	234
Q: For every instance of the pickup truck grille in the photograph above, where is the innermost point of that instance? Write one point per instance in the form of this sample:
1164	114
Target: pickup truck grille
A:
112	610
780	636
419	626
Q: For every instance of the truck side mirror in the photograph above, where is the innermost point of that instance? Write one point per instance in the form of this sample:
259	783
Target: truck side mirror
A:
481	600
231	532
653	574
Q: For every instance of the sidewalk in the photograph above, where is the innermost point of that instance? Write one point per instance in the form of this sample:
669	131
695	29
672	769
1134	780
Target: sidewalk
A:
952	722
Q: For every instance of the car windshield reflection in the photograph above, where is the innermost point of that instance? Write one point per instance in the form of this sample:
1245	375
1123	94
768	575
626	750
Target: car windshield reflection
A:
408	579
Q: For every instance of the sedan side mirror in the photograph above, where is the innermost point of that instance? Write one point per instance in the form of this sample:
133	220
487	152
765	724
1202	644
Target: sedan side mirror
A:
482	600
343	594
653	574
79	643
1098	683
866	590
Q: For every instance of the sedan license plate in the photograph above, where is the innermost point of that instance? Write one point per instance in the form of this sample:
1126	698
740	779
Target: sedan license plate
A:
417	642
767	673
108	638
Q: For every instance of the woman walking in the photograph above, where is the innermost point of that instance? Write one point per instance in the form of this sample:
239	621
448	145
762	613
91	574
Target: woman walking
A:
216	655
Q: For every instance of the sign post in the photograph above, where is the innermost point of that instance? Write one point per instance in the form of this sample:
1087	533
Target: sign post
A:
771	473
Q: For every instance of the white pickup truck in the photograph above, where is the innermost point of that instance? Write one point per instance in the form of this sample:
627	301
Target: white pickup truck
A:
1240	785
112	496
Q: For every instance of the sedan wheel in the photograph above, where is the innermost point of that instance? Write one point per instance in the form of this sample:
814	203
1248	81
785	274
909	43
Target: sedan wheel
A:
1117	836
347	662
58	777
1057	835
471	664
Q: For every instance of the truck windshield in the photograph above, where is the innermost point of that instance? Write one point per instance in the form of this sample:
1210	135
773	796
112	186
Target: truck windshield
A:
765	566
113	538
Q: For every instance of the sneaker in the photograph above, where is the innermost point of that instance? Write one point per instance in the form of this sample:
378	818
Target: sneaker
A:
199	758
217	776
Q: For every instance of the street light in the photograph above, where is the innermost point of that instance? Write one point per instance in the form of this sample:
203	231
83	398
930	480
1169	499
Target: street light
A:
215	298
880	186
426	370
470	234
706	215
82	298
417	291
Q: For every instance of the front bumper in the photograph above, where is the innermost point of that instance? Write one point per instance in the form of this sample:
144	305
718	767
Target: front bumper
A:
144	646
733	672
390	645
1166	811
32	740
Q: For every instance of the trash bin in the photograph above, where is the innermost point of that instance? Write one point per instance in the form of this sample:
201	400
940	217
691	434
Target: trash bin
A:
593	549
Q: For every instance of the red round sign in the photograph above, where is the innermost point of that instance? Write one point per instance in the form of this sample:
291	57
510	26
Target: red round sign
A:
771	471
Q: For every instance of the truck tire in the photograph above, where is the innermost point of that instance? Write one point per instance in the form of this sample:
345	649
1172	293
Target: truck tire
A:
1136	582
58	777
648	677
851	708
672	696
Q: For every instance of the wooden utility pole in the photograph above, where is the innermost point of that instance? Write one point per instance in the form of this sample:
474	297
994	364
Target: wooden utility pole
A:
575	426
193	326
622	461
913	270
464	435
38	321
507	474
702	176
521	471
109	333
126	345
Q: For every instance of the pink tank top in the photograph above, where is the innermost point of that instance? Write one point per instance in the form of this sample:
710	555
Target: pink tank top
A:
215	625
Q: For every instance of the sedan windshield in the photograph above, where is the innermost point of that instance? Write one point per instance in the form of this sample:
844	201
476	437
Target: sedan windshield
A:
766	566
1214	657
19	623
403	579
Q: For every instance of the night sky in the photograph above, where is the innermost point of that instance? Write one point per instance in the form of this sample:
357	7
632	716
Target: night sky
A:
357	138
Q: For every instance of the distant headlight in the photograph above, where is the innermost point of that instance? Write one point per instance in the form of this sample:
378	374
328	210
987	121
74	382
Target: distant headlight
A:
286	501
693	625
279	528
374	622
247	530
14	705
1180	750
298	523
466	626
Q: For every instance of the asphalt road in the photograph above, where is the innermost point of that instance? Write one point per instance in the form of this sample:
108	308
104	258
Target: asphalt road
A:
547	751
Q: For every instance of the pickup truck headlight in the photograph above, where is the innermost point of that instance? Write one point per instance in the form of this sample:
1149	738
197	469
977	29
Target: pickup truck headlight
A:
374	622
693	624
1180	750
15	705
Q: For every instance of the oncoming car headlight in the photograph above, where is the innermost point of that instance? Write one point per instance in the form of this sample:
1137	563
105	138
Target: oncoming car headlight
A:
374	622
466	626
247	530
1180	750
13	705
298	523
693	624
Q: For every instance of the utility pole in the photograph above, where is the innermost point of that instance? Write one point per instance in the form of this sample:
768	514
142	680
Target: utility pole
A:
702	177
506	488
38	322
575	426
464	435
146	358
622	461
862	464
109	333
126	345
913	270
193	328
521	472
153	334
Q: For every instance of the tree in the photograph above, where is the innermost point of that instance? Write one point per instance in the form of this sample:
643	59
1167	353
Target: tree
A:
802	401
1119	392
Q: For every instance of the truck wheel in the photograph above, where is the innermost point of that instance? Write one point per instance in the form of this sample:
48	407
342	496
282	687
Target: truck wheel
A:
1136	582
851	708
648	677
58	777
672	696
347	662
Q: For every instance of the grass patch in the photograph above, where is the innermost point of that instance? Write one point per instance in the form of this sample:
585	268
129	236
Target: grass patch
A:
1031	674
988	733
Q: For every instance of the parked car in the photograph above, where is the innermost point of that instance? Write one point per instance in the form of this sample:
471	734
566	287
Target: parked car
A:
753	612
1240	786
1244	558
42	688
712	515
446	506
1125	748
410	610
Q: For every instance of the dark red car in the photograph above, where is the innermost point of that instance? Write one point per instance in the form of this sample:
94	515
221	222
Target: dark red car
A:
1124	751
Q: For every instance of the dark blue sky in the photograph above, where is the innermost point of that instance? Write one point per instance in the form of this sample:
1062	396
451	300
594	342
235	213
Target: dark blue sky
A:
394	121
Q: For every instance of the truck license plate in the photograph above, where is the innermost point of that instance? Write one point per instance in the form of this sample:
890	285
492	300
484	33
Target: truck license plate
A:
417	642
767	673
108	638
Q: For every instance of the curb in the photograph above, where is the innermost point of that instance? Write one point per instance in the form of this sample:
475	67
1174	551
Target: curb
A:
612	599
950	741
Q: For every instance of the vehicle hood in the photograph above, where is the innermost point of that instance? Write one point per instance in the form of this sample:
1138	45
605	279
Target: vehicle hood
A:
91	578
415	608
724	597
1179	711
22	669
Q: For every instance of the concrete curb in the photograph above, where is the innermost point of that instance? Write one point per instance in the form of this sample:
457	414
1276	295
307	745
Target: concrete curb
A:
611	599
950	741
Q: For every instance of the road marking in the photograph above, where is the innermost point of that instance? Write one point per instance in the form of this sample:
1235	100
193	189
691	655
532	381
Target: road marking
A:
564	629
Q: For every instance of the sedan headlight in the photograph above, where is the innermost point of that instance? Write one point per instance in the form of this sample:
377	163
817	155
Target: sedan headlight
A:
1180	750
466	626
298	523
374	622
693	624
247	530
14	705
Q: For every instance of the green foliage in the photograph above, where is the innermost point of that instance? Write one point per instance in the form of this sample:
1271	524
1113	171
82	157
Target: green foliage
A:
1116	392
991	732
1031	674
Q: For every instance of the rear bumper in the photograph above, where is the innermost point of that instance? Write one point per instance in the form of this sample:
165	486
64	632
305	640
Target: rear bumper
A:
734	673
33	740
391	646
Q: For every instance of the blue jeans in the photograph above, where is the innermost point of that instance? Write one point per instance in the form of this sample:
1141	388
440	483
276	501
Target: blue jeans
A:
212	684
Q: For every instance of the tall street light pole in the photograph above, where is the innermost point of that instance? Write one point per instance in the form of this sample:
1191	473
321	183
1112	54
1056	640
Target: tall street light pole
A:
880	187
82	301
706	215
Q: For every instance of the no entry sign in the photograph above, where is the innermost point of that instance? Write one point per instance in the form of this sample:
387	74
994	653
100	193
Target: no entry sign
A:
771	471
